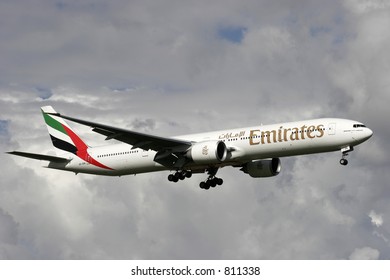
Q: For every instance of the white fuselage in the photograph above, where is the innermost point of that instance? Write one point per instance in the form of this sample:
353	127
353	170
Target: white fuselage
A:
244	145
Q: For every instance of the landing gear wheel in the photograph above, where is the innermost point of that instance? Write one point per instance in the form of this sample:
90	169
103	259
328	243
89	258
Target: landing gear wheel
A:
213	182
179	175
343	161
204	185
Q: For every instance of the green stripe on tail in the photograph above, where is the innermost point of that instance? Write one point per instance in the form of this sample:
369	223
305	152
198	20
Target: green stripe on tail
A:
53	123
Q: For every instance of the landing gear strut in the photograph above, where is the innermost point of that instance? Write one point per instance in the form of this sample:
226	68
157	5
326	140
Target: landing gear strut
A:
345	151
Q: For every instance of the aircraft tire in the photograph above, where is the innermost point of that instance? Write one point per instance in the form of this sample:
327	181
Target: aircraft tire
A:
343	161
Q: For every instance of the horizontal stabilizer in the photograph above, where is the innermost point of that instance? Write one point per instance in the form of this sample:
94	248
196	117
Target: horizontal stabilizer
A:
39	156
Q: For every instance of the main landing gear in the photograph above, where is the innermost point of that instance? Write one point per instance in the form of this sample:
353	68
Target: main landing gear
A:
211	182
179	175
345	151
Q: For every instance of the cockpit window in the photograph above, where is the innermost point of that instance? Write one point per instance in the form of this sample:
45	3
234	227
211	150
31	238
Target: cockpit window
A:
358	125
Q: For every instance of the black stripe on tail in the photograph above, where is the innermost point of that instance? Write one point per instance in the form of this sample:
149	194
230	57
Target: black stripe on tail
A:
63	145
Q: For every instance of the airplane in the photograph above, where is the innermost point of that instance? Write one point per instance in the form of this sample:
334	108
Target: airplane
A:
255	150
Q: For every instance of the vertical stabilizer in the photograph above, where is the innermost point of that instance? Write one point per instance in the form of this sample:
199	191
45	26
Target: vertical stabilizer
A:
62	136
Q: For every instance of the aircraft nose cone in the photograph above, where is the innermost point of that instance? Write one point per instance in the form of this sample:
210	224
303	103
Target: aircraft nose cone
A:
369	133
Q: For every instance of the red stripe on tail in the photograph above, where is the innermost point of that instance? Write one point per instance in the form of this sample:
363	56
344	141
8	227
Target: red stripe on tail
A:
82	149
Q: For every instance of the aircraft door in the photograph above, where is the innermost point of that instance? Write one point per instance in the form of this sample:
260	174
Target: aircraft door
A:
332	129
145	153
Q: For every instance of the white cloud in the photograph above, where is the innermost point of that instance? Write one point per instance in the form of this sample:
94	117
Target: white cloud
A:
376	219
366	6
365	253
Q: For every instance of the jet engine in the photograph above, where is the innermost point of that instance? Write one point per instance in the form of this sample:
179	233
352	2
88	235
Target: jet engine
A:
208	152
262	168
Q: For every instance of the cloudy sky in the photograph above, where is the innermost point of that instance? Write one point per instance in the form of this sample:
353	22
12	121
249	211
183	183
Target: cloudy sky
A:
176	67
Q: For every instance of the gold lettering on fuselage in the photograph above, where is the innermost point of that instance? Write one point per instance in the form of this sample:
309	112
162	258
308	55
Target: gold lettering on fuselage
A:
294	135
267	136
285	134
310	131
253	136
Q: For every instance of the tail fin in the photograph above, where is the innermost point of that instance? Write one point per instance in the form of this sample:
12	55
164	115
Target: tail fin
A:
62	136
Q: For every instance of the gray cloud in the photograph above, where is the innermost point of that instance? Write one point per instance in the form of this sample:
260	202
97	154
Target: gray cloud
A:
167	69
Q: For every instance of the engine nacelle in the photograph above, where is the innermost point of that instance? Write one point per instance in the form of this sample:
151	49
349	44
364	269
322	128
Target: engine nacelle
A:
208	152
262	168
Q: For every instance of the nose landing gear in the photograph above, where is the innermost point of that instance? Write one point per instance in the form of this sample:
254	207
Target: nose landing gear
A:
345	151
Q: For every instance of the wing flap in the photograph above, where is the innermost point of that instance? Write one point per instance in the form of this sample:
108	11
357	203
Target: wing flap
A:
39	156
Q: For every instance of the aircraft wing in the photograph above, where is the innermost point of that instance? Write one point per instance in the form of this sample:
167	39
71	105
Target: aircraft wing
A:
39	156
136	139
